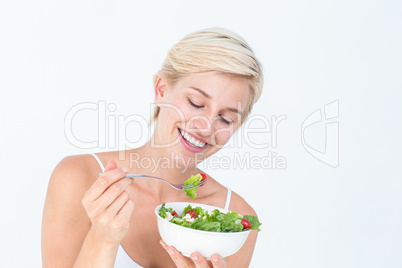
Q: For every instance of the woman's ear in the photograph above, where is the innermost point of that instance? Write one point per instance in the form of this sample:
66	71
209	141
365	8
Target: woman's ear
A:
160	89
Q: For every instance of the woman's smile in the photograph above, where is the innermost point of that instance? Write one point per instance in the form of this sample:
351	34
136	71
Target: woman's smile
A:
191	142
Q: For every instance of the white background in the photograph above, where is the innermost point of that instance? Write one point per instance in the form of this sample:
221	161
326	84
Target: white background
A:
57	54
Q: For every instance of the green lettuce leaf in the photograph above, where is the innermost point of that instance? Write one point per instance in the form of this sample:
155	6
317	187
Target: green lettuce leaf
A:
163	210
195	180
255	224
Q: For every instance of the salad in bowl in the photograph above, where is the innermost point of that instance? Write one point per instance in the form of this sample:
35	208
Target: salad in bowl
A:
192	227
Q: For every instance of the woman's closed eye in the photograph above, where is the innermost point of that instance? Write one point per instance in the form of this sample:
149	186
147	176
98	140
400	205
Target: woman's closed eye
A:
227	122
221	118
195	105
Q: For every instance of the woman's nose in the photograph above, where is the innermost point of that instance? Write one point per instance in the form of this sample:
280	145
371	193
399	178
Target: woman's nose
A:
203	125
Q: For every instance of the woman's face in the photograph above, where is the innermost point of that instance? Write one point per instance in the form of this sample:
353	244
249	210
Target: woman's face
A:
199	114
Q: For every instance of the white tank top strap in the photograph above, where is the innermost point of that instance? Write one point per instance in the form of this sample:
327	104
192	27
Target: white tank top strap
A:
229	195
99	162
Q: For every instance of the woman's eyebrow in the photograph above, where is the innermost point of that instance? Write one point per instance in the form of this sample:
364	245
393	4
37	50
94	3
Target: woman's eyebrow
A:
205	94
233	110
202	92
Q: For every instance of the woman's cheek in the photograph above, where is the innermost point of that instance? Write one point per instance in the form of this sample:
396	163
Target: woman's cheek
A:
182	111
222	136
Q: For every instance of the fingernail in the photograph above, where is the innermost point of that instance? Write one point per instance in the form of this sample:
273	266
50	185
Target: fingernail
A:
215	259
171	252
125	170
195	258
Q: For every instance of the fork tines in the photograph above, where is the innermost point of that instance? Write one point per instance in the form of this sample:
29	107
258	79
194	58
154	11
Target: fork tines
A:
192	186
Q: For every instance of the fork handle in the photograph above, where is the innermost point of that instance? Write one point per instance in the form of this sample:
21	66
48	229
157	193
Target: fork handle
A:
137	176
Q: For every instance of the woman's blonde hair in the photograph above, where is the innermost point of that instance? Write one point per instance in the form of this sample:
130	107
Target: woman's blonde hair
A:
213	49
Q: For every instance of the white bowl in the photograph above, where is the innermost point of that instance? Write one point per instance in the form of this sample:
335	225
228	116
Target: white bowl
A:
187	240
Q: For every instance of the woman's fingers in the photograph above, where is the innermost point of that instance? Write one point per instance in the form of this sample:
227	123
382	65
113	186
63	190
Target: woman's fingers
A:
105	197
176	256
103	182
110	165
201	262
111	193
108	204
117	205
218	261
196	259
125	212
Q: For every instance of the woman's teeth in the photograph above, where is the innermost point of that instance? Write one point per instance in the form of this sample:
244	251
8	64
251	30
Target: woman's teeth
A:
190	139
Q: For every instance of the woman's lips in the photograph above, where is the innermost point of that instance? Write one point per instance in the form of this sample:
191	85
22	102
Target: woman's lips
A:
190	147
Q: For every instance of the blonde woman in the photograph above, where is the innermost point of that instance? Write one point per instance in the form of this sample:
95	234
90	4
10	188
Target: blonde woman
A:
204	91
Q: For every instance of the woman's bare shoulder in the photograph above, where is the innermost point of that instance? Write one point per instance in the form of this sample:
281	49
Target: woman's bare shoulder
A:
76	169
70	180
65	223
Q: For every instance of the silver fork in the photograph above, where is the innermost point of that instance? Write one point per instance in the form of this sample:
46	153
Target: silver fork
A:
181	187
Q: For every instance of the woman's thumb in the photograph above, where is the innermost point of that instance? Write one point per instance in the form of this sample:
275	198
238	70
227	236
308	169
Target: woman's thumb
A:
110	165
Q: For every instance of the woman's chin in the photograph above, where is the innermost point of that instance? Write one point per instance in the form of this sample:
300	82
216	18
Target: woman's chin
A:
185	161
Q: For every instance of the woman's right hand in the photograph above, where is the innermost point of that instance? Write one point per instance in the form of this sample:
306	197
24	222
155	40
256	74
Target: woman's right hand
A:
108	205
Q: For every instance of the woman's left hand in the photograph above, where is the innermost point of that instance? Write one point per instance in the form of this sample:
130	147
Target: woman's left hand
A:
196	260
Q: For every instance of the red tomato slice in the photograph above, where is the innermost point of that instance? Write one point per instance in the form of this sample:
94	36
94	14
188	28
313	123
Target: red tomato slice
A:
192	213
246	224
174	213
204	178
